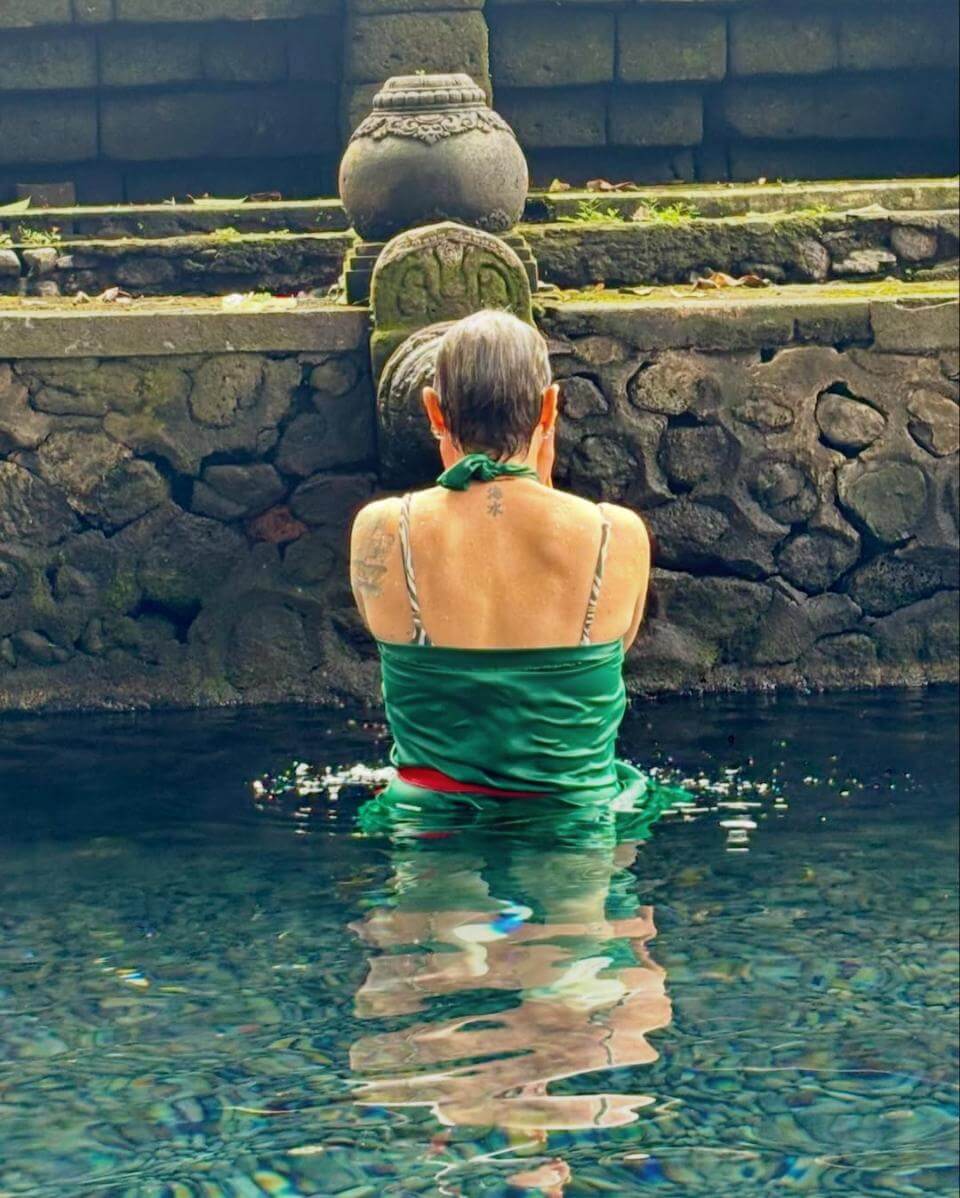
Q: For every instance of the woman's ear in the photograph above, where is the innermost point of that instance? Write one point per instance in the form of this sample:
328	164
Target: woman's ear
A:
548	407
431	401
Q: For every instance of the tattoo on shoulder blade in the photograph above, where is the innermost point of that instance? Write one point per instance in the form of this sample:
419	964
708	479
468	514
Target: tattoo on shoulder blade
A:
370	565
495	501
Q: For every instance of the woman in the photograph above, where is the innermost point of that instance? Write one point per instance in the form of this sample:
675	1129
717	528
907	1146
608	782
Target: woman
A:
502	608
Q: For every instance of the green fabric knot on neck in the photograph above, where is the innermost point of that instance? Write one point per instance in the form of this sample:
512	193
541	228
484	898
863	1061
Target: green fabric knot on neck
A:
482	468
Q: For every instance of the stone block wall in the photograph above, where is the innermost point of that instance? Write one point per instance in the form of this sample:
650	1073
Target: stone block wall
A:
144	99
727	90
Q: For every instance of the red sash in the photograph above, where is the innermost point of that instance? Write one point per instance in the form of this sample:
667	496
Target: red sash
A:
430	779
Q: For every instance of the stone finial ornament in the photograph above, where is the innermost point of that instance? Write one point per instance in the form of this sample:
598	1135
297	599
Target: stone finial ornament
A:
432	150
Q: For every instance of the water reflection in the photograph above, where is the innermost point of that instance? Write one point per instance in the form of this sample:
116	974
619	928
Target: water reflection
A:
518	964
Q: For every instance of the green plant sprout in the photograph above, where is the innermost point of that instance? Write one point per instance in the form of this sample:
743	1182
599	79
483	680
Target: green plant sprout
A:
228	234
591	211
666	214
39	237
814	211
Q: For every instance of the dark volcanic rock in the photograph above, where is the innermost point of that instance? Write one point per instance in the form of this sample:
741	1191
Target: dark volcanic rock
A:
847	423
329	499
895	580
31	510
934	423
269	642
581	397
187	559
250	488
815	560
695	455
784	490
889	498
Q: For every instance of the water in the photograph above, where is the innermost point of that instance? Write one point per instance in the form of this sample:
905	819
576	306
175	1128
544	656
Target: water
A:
205	992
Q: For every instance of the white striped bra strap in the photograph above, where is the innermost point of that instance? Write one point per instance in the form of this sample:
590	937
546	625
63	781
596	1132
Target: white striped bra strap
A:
597	581
410	579
419	632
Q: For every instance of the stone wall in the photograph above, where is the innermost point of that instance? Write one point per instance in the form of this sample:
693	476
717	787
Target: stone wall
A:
721	89
143	99
199	250
176	489
173	526
797	464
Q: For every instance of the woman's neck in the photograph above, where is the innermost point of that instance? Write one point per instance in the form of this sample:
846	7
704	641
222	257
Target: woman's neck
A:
526	457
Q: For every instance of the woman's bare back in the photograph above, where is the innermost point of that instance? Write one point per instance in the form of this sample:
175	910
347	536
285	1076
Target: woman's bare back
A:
504	564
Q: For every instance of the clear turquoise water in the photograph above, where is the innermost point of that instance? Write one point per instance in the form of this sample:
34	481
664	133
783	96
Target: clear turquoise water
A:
210	991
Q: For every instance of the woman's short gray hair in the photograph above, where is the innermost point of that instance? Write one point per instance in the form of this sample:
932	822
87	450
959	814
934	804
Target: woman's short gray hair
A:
492	370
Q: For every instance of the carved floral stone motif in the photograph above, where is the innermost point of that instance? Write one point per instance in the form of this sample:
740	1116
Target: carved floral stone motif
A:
442	272
432	150
423	281
446	271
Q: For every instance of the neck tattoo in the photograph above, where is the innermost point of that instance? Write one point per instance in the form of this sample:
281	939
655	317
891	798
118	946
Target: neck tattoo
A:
494	500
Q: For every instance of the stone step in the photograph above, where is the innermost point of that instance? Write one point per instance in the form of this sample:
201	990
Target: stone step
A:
806	246
796	247
278	263
894	316
327	215
731	199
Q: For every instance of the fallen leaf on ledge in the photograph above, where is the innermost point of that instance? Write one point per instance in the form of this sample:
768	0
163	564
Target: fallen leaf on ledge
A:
255	302
605	185
715	279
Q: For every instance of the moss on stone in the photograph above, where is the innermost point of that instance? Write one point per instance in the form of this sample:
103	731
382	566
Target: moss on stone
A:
893	289
714	200
122	593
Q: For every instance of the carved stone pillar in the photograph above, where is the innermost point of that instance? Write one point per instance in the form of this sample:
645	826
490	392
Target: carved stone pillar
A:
423	281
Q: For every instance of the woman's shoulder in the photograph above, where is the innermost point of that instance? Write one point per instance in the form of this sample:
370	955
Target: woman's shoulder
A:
376	522
384	507
623	520
383	513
